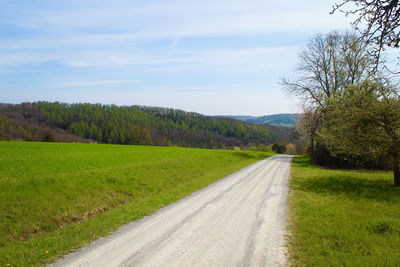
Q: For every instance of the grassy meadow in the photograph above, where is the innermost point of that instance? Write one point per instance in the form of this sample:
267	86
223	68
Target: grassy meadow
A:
55	197
342	218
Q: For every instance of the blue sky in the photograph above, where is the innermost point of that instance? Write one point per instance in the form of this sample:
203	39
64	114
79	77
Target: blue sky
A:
212	57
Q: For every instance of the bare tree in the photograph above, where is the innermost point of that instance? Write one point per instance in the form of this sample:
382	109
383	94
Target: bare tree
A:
382	23
327	65
308	126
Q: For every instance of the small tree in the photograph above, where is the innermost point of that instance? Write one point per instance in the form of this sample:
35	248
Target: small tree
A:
48	138
138	136
291	149
279	148
308	126
326	67
364	122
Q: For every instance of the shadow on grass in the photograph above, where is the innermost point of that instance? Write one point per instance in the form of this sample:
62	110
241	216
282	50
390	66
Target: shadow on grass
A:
354	185
304	162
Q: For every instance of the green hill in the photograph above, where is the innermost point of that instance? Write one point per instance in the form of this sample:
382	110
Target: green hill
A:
126	125
287	120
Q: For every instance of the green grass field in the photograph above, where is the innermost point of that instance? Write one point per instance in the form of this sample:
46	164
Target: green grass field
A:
55	197
343	218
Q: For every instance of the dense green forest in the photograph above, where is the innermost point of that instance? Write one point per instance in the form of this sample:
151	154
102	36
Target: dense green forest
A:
137	125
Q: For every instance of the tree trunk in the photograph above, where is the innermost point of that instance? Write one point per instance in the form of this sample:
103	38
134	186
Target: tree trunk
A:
396	170
312	145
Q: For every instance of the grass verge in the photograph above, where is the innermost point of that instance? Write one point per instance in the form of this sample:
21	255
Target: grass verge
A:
56	197
342	218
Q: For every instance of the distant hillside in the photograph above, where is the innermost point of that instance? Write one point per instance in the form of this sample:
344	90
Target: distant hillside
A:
126	125
285	133
14	126
278	119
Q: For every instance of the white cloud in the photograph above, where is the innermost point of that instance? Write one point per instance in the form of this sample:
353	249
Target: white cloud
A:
225	60
77	63
103	24
115	34
89	83
23	58
80	46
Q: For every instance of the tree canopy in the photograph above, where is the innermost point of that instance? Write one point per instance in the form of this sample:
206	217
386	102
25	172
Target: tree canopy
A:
141	125
381	19
364	122
326	66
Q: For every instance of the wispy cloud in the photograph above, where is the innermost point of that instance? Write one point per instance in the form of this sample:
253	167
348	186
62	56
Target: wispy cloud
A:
170	46
224	60
103	24
69	84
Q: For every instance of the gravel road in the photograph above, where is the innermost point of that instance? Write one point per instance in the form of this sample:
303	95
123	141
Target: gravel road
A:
237	221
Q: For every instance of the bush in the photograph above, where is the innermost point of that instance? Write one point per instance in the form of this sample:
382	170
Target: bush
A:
323	157
279	148
48	138
291	149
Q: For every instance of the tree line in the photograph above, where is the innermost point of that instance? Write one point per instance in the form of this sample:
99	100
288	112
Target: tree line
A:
140	125
349	94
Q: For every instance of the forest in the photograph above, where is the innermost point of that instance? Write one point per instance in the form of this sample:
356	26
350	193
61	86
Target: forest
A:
350	92
135	125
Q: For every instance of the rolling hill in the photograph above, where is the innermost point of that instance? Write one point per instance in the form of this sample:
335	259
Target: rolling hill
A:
113	124
287	120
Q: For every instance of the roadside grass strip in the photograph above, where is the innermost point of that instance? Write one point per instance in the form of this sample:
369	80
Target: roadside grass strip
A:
56	197
342	218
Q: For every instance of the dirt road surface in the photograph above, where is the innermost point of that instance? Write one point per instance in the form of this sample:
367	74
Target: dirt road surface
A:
237	221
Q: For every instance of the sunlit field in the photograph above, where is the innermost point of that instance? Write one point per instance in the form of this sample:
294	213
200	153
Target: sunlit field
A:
55	197
343	218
